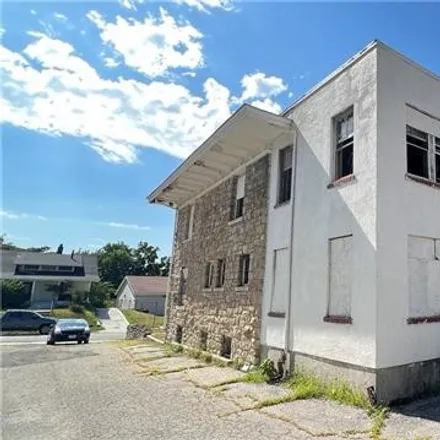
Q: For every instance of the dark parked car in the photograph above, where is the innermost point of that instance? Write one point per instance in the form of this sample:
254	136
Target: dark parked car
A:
69	330
13	320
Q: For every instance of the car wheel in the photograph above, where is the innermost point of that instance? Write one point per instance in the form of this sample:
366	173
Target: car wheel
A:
86	341
44	329
79	341
50	342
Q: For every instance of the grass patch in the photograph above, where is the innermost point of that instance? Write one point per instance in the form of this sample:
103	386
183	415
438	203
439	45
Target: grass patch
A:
255	376
310	386
142	318
88	315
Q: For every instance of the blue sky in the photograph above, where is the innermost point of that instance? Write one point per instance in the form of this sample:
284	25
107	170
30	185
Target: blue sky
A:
101	101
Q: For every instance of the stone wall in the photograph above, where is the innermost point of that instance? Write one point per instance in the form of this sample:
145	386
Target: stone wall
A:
230	311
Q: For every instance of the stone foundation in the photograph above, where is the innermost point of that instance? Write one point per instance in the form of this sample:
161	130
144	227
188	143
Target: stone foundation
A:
231	311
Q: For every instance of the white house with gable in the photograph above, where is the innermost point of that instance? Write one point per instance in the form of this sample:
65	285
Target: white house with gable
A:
352	278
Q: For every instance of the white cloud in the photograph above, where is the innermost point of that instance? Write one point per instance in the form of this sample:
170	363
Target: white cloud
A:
268	105
2	31
60	17
110	62
205	5
126	226
21	215
33	12
154	46
61	94
259	85
129	4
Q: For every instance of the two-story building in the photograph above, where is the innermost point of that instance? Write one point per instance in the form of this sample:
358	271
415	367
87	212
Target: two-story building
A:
343	273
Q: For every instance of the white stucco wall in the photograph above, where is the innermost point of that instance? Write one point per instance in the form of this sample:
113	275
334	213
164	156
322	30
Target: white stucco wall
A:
126	298
322	214
404	208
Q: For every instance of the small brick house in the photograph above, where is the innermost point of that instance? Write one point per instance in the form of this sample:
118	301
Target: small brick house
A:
221	193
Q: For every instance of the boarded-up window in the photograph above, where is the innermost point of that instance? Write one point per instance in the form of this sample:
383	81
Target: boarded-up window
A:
341	267
424	276
280	284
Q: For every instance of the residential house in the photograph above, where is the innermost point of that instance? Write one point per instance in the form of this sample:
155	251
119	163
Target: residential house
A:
145	293
351	236
39	271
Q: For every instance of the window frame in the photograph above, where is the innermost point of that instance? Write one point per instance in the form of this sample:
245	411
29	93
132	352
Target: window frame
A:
220	275
284	175
339	145
238	207
208	279
31	267
432	154
244	270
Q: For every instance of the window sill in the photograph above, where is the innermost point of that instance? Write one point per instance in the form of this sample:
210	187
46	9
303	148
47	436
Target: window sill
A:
338	319
235	220
280	204
276	315
422	181
241	288
423	319
219	289
351	178
207	289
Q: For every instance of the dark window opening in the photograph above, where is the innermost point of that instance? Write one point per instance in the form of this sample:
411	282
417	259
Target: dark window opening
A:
243	274
417	148
209	269
344	150
221	272
237	202
285	176
203	340
65	268
179	334
31	267
239	208
226	347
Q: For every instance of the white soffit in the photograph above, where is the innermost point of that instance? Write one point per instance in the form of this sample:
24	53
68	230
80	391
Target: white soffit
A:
246	134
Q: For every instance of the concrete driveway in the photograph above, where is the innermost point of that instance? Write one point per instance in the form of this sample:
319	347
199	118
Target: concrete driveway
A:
102	392
113	321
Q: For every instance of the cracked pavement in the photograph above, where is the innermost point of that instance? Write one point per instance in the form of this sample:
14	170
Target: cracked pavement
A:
104	392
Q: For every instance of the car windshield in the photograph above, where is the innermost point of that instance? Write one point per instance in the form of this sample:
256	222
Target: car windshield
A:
72	323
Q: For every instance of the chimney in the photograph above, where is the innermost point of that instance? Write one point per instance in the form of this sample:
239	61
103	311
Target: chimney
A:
71	255
60	249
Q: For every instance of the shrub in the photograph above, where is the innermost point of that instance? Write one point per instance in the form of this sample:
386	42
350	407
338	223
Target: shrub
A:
12	294
77	308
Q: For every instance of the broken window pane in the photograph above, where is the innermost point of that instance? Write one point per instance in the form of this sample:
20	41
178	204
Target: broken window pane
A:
417	146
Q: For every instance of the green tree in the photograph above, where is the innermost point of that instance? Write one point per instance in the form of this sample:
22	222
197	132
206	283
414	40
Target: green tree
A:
145	260
165	263
115	261
101	294
13	294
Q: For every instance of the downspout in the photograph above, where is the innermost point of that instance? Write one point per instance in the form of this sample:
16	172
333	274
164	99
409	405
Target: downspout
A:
292	224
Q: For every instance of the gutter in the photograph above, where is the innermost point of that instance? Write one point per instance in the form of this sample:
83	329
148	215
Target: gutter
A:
292	234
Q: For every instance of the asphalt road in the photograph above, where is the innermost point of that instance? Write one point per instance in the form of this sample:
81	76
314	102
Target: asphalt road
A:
93	393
